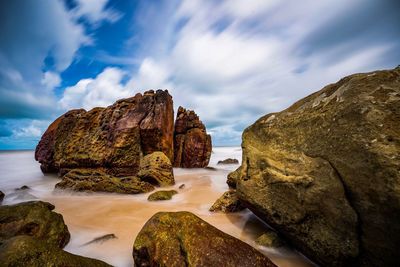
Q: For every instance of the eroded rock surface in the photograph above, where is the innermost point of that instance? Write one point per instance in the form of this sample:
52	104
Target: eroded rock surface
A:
96	180
228	202
325	171
183	239
34	218
156	168
114	138
192	144
162	195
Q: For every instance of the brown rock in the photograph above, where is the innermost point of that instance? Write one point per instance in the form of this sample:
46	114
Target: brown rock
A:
325	172
228	161
162	195
95	180
228	202
156	168
233	177
114	137
192	144
183	239
36	219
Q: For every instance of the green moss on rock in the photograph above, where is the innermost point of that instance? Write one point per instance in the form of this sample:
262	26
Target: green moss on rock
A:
162	195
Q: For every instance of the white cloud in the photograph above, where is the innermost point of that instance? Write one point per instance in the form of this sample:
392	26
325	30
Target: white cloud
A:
95	11
34	129
101	91
51	80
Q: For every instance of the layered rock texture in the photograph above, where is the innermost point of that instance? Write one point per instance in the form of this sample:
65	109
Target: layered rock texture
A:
183	239
325	172
115	137
32	234
191	141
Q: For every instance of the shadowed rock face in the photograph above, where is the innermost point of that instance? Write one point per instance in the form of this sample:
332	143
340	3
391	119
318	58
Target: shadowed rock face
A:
191	141
326	171
115	137
36	219
183	239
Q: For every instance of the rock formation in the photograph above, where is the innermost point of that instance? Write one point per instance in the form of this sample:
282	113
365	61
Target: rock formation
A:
156	168
183	239
31	234
162	195
325	172
115	137
228	202
192	144
96	180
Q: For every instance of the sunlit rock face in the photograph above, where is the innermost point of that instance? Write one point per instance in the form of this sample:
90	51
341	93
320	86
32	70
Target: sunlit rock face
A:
191	141
115	137
325	172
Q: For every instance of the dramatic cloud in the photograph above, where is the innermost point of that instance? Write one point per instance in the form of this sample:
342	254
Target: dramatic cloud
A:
231	61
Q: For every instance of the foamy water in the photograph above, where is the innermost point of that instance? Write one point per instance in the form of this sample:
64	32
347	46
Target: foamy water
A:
92	215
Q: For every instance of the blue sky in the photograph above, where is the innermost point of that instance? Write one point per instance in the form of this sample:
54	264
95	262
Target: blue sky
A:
231	61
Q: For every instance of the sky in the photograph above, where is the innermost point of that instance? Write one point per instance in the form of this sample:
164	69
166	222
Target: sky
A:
231	61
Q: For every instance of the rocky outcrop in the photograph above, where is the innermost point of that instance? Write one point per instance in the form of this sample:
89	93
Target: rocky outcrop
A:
183	239
162	195
25	250
228	202
192	144
96	180
114	138
325	171
228	161
36	219
233	177
32	234
156	168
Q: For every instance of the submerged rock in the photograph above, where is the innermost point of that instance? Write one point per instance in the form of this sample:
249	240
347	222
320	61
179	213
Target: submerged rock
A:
325	172
36	219
182	186
156	168
228	161
25	250
183	239
192	144
24	187
114	137
101	239
95	180
162	195
270	239
228	202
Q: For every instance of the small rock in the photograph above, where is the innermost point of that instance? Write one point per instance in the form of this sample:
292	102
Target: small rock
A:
182	186
24	187
228	161
1	196
210	168
101	239
162	195
270	239
228	202
156	168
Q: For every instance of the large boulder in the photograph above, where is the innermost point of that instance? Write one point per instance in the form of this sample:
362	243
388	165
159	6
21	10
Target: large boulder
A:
115	137
325	172
192	144
183	239
156	168
96	180
34	218
25	250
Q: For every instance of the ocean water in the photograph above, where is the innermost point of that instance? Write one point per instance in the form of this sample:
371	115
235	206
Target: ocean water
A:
92	215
